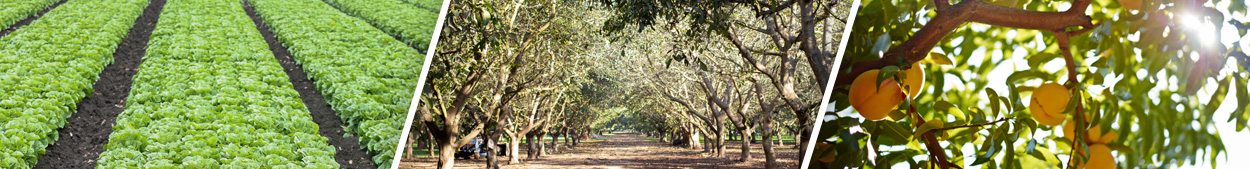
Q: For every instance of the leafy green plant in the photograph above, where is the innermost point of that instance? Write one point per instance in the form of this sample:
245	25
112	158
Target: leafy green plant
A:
210	94
366	76
432	5
410	24
16	10
49	66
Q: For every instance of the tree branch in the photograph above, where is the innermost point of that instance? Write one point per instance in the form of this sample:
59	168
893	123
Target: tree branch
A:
949	17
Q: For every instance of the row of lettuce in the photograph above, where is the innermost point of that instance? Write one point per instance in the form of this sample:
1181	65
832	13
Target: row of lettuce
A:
366	76
47	67
210	94
435	6
16	10
407	22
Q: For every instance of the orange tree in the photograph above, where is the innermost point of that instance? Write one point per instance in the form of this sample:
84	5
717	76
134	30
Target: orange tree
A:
1013	83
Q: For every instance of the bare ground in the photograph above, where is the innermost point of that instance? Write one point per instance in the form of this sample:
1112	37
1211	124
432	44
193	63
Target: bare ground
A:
628	150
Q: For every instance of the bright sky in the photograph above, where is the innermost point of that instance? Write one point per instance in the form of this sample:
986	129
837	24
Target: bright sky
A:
1227	130
1235	151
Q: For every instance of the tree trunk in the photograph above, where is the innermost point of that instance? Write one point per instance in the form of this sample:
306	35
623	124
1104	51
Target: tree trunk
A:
429	144
492	154
711	147
514	151
799	142
409	145
447	156
778	136
746	145
542	148
720	135
555	139
543	145
720	145
770	157
565	132
492	145
531	149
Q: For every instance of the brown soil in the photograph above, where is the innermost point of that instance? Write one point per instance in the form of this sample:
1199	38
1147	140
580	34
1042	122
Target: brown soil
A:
627	150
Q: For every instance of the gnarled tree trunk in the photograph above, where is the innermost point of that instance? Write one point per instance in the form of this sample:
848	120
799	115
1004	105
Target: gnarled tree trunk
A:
446	151
746	144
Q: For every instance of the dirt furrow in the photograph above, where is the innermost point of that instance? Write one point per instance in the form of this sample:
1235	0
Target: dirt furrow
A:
348	153
83	137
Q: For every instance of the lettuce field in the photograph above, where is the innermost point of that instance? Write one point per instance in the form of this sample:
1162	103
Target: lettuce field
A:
208	83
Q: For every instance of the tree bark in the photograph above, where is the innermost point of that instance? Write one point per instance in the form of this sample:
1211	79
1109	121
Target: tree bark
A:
565	132
720	137
429	144
446	151
531	149
492	140
746	145
555	138
514	151
409	145
770	157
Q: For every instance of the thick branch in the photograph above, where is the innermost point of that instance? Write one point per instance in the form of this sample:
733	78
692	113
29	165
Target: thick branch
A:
917	47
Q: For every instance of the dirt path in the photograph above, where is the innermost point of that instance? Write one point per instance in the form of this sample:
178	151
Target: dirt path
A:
628	150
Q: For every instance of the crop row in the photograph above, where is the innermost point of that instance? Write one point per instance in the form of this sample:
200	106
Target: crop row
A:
210	94
435	6
411	24
16	10
367	76
48	66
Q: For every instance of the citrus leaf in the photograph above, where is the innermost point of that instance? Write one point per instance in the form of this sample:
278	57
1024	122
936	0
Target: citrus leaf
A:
938	58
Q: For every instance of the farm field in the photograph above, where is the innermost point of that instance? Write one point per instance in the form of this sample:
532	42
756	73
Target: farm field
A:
16	10
207	83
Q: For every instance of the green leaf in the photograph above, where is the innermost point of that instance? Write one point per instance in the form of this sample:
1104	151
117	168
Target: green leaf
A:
930	125
897	115
895	133
1120	148
1216	99
987	150
883	43
1025	75
994	105
1032	144
1243	98
947	107
886	73
938	58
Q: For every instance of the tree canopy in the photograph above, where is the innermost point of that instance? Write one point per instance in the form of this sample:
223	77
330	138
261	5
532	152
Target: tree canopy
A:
1154	75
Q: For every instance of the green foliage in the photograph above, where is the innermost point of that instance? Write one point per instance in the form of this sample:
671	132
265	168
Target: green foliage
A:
48	66
406	22
709	16
373	92
16	10
432	5
1138	77
210	94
